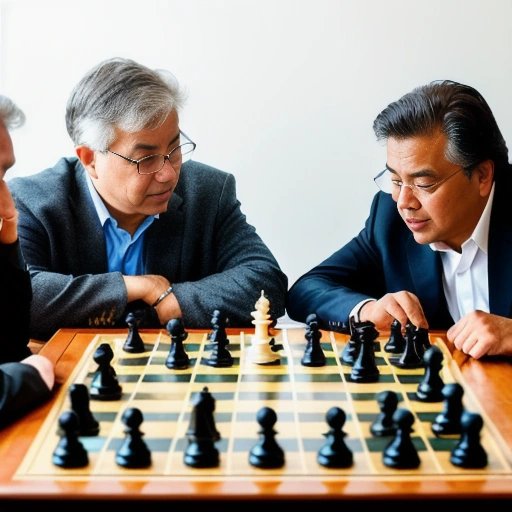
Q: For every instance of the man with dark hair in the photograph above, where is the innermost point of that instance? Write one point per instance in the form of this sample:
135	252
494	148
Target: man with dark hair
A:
436	248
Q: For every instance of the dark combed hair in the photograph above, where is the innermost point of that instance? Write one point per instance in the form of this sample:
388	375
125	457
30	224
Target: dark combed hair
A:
459	111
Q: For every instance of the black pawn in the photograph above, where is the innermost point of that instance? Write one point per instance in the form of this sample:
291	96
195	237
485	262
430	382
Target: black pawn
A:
313	354
365	368
70	452
410	358
419	337
396	341
383	424
448	421
202	433
220	356
401	453
266	454
133	453
351	349
468	452
335	453
134	343
177	359
430	389
79	397
104	385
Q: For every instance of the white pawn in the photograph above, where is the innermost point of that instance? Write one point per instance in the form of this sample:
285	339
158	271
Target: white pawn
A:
260	351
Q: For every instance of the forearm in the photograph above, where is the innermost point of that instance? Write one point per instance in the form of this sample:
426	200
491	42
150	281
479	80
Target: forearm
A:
21	389
66	301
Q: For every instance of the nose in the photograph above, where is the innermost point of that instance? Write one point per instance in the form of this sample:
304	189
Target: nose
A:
406	198
167	172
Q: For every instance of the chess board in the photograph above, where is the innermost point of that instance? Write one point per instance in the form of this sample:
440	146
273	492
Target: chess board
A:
300	395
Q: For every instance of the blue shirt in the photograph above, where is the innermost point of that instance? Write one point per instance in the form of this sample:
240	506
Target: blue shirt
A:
124	252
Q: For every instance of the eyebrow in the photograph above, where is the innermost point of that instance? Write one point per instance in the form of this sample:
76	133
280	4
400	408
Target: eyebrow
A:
152	147
417	174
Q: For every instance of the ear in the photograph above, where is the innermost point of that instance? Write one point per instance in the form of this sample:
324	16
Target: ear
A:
88	159
485	174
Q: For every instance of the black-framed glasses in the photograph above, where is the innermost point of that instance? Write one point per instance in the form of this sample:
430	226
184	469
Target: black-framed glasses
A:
390	183
153	163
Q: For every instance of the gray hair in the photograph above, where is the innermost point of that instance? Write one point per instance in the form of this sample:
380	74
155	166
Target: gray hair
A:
11	115
120	93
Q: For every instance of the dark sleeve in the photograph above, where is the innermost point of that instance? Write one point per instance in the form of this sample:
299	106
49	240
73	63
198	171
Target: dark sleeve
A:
351	274
15	310
21	389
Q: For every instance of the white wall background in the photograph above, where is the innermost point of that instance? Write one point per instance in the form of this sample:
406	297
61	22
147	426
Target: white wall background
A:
282	93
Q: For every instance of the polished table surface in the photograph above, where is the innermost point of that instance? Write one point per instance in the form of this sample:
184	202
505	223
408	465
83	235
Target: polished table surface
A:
490	380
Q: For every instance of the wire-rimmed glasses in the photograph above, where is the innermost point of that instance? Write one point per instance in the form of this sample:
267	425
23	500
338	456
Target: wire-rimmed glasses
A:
153	163
390	183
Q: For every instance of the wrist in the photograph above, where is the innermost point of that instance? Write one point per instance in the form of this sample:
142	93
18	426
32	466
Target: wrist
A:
162	297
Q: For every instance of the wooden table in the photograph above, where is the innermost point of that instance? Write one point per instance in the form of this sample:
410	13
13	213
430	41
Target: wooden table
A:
490	381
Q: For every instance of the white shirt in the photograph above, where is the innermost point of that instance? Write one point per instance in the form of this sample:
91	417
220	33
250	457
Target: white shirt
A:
465	275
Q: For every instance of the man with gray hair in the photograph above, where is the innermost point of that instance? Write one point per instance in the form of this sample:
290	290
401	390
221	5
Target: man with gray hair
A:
133	222
27	383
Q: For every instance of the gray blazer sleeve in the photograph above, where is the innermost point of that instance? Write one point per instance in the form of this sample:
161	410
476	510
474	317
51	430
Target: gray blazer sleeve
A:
202	244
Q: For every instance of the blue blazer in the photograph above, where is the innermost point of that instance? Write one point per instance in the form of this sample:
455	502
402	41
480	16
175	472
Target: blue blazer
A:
385	258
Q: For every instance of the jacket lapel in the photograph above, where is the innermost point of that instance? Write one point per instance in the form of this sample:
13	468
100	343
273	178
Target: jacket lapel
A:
426	272
500	253
164	241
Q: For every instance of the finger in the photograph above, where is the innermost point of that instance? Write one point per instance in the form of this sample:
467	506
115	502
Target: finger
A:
412	309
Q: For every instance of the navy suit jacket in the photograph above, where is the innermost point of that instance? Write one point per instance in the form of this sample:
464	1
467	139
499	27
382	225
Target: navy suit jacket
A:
202	244
385	258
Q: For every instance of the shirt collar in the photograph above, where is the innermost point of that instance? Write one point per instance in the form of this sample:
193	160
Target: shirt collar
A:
480	235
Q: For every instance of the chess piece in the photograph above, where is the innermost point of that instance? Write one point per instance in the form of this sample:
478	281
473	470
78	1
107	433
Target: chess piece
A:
468	452
267	454
104	385
133	453
260	351
202	433
313	354
396	341
448	421
79	397
431	386
69	452
335	453
220	356
351	348
383	425
134	343
365	368
410	358
177	359
401	453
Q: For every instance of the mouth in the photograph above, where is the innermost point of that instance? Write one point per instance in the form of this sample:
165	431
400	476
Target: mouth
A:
416	224
161	196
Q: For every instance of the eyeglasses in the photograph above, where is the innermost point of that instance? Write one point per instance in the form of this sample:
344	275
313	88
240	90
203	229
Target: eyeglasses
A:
153	163
389	183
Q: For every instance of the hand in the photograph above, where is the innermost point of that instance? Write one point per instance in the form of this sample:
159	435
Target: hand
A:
404	306
44	366
9	230
478	334
148	288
